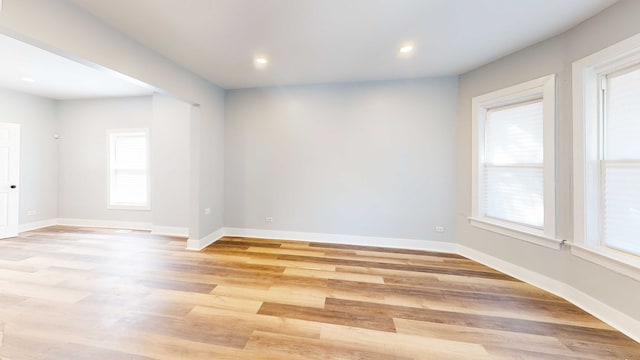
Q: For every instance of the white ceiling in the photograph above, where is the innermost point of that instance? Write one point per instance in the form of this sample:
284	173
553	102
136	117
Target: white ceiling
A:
57	77
316	41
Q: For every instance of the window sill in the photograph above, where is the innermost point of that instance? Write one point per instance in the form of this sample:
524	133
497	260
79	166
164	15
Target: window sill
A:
628	265
125	207
516	231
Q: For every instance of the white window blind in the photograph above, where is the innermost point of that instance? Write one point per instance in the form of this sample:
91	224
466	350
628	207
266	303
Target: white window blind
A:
513	171
620	170
128	168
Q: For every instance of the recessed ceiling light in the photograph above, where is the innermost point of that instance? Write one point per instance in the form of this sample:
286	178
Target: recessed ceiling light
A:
27	79
405	49
261	60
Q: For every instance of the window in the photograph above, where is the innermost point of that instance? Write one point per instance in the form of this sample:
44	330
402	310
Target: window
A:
620	158
607	157
129	169
513	167
513	170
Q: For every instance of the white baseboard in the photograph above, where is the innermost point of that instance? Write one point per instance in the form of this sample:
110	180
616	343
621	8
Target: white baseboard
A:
520	273
199	244
37	225
155	229
170	231
397	243
626	324
620	321
105	224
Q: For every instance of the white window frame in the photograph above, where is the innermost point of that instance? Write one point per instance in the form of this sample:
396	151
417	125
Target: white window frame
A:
110	139
587	78
542	88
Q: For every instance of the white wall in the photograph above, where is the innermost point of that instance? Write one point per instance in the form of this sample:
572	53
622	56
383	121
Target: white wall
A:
211	186
83	155
64	29
39	153
83	173
170	168
372	159
551	56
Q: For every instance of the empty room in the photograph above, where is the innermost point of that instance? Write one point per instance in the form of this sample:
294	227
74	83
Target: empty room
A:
319	179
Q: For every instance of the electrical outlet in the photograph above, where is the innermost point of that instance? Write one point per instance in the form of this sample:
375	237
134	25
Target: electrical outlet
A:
31	212
439	229
268	219
207	211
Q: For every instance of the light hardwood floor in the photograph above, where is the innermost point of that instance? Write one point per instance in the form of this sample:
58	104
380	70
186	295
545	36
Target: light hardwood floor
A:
80	293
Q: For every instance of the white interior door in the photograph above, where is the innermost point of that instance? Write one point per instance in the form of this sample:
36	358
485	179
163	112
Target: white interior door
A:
9	176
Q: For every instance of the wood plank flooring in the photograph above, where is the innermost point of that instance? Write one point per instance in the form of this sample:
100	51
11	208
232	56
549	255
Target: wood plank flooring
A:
81	293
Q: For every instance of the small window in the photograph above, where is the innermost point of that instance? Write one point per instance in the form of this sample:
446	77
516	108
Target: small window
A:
513	161
606	128
129	169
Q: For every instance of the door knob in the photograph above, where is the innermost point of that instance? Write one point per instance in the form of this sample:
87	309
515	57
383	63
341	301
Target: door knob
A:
14	186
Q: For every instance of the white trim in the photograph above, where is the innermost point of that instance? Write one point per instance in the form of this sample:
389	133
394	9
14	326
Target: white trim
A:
619	262
396	243
609	56
624	323
549	116
519	232
616	319
37	225
115	224
199	244
580	101
544	88
170	231
528	276
587	206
